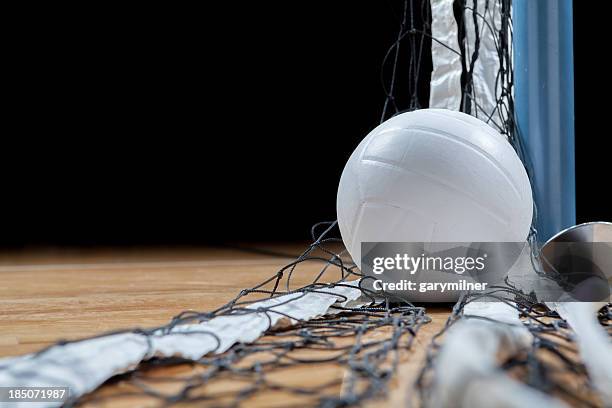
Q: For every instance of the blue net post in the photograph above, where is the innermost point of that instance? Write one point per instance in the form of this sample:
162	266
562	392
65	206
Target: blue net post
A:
544	106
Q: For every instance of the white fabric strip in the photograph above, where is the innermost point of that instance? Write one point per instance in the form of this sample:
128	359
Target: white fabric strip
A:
591	339
85	365
445	91
467	372
486	88
593	343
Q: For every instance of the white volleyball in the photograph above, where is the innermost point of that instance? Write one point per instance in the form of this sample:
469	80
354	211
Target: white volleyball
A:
433	175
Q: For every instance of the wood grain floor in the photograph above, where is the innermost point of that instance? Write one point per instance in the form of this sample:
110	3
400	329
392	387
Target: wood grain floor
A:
46	296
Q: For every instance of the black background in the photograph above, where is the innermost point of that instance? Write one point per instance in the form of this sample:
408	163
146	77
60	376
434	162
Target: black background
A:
188	126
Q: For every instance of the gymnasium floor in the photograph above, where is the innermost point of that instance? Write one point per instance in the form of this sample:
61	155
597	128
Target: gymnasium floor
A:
46	296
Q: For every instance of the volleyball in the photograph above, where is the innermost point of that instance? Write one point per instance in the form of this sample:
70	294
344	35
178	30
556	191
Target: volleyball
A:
433	175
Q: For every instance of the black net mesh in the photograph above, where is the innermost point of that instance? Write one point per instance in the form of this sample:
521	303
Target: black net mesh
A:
357	349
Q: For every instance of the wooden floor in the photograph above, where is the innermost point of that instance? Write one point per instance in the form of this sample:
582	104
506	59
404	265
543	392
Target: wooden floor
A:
50	295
